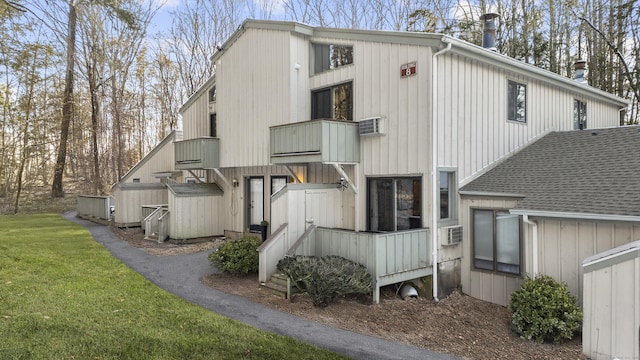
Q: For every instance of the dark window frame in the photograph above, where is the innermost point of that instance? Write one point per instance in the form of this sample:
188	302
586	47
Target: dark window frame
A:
496	266
326	102
327	57
516	108
409	210
213	125
579	114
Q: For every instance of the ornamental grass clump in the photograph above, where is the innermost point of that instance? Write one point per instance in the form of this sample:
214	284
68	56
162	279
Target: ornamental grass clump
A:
238	256
544	310
326	278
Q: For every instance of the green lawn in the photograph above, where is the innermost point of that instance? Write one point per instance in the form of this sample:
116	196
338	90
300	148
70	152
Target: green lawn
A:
63	296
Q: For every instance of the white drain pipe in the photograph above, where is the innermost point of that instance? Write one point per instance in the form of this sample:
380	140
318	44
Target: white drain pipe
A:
534	244
434	166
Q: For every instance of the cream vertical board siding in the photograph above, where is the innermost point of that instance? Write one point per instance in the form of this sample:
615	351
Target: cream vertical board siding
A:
232	210
564	244
484	285
129	201
611	326
160	159
194	216
253	92
195	118
473	130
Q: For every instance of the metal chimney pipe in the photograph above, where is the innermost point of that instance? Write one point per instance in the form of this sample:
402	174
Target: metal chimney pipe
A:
489	31
580	68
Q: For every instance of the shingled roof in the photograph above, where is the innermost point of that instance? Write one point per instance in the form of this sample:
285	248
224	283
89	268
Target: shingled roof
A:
589	172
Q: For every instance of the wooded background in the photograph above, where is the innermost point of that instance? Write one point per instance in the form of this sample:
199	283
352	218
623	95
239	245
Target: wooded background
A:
86	91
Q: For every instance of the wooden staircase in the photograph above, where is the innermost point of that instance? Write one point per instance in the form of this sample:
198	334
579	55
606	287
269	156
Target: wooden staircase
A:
279	285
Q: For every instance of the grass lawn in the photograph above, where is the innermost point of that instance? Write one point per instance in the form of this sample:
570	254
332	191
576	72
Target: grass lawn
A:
63	296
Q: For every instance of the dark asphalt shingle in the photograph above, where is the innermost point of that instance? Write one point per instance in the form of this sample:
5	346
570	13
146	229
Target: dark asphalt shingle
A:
588	171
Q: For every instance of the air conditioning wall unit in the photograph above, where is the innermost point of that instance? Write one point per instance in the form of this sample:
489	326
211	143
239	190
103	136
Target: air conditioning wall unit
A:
371	126
451	235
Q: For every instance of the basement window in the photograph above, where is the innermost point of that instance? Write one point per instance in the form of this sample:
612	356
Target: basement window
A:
517	102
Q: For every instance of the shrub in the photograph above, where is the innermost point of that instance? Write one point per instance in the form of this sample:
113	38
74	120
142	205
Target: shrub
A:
239	256
545	310
327	277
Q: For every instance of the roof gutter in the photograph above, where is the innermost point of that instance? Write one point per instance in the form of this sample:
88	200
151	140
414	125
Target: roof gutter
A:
434	164
575	215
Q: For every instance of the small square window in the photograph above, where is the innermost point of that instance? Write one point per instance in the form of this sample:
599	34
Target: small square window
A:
517	102
136	180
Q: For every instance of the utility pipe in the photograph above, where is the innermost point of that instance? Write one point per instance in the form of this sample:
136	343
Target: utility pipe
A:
434	166
534	225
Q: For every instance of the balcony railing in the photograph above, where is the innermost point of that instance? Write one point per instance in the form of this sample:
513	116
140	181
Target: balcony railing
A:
200	153
315	141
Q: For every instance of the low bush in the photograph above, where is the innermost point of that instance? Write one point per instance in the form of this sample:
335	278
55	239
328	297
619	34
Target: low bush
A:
238	256
544	310
326	278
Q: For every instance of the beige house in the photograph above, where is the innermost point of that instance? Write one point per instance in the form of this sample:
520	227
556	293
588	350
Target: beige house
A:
354	143
544	210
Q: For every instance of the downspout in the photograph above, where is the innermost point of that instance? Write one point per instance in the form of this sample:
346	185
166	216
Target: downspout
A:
434	167
534	245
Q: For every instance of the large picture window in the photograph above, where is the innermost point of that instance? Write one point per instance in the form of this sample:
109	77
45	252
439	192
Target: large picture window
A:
334	102
496	241
394	203
517	102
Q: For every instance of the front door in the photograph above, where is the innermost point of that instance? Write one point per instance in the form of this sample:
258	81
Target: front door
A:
255	200
316	209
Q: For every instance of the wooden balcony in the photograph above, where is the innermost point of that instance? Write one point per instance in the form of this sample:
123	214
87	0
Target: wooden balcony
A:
195	154
315	141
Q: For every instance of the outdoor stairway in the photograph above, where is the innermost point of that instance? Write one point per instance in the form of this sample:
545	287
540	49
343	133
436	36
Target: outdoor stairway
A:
278	284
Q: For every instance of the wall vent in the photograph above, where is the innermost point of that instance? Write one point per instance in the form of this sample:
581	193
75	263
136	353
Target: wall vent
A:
371	126
451	235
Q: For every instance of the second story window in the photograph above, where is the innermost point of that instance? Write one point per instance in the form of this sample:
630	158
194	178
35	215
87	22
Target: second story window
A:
327	57
335	102
579	115
517	102
212	94
212	125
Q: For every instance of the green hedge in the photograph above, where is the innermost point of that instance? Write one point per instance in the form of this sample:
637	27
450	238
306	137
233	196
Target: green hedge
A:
238	256
545	310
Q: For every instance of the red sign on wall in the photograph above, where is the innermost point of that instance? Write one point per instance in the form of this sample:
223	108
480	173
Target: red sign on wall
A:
408	69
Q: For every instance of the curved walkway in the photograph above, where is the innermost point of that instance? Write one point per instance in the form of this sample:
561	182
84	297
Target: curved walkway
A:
180	275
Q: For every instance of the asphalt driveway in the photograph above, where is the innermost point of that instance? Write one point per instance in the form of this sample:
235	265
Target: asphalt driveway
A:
180	274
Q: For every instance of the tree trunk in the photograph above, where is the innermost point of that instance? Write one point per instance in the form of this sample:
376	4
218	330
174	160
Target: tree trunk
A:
67	106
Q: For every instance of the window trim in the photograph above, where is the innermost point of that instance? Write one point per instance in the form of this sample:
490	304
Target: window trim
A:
331	88
453	197
312	57
515	119
473	243
576	115
394	179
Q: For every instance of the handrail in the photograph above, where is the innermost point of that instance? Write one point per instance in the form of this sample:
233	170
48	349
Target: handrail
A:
273	235
300	240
